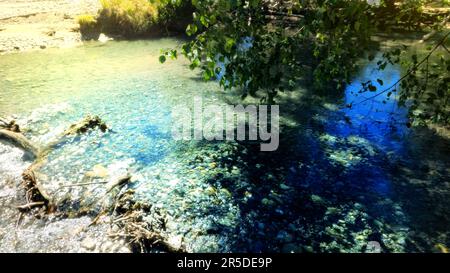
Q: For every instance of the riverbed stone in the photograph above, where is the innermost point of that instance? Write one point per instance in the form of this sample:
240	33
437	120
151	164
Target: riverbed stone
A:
89	244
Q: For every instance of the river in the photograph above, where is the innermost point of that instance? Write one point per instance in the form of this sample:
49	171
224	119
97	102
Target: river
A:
343	179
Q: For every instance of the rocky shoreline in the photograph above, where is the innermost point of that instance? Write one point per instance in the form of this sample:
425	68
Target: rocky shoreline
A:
40	24
34	25
26	226
32	231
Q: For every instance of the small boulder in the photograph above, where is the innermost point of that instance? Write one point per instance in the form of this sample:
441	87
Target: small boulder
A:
174	243
88	244
98	171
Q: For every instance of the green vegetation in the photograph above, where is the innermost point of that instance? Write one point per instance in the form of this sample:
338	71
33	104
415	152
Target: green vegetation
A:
174	15
287	42
86	20
127	17
131	18
89	26
267	47
425	86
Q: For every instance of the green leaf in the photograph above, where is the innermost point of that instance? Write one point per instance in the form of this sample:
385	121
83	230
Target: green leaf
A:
291	84
186	48
380	82
206	75
162	59
173	54
191	29
195	63
204	21
230	42
372	88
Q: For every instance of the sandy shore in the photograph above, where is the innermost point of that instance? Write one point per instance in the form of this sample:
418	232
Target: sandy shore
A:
38	24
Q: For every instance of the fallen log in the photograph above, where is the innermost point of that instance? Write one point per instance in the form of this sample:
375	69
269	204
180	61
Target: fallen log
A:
36	193
121	181
21	141
33	184
10	131
81	127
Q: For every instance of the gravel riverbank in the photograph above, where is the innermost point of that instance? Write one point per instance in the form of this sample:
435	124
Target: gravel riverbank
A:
38	24
28	25
32	231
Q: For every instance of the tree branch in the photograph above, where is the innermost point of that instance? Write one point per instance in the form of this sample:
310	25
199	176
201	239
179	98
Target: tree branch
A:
441	42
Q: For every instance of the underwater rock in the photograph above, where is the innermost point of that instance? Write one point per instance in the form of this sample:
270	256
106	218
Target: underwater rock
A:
317	199
332	211
267	202
118	183
225	192
98	171
291	248
373	247
235	171
308	249
284	236
211	191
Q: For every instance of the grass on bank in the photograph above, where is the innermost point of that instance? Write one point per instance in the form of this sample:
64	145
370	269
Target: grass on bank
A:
128	17
132	18
89	27
86	20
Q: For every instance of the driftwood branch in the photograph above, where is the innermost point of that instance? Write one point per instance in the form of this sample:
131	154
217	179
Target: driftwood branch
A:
20	140
409	72
31	205
121	181
36	193
83	184
81	127
32	182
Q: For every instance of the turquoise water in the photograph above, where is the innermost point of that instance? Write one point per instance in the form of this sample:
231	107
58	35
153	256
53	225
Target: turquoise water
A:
341	178
123	83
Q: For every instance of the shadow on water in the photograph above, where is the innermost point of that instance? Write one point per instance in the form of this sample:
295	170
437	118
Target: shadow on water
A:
341	178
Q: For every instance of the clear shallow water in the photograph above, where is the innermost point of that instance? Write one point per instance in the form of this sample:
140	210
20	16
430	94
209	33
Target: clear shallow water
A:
123	83
342	177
